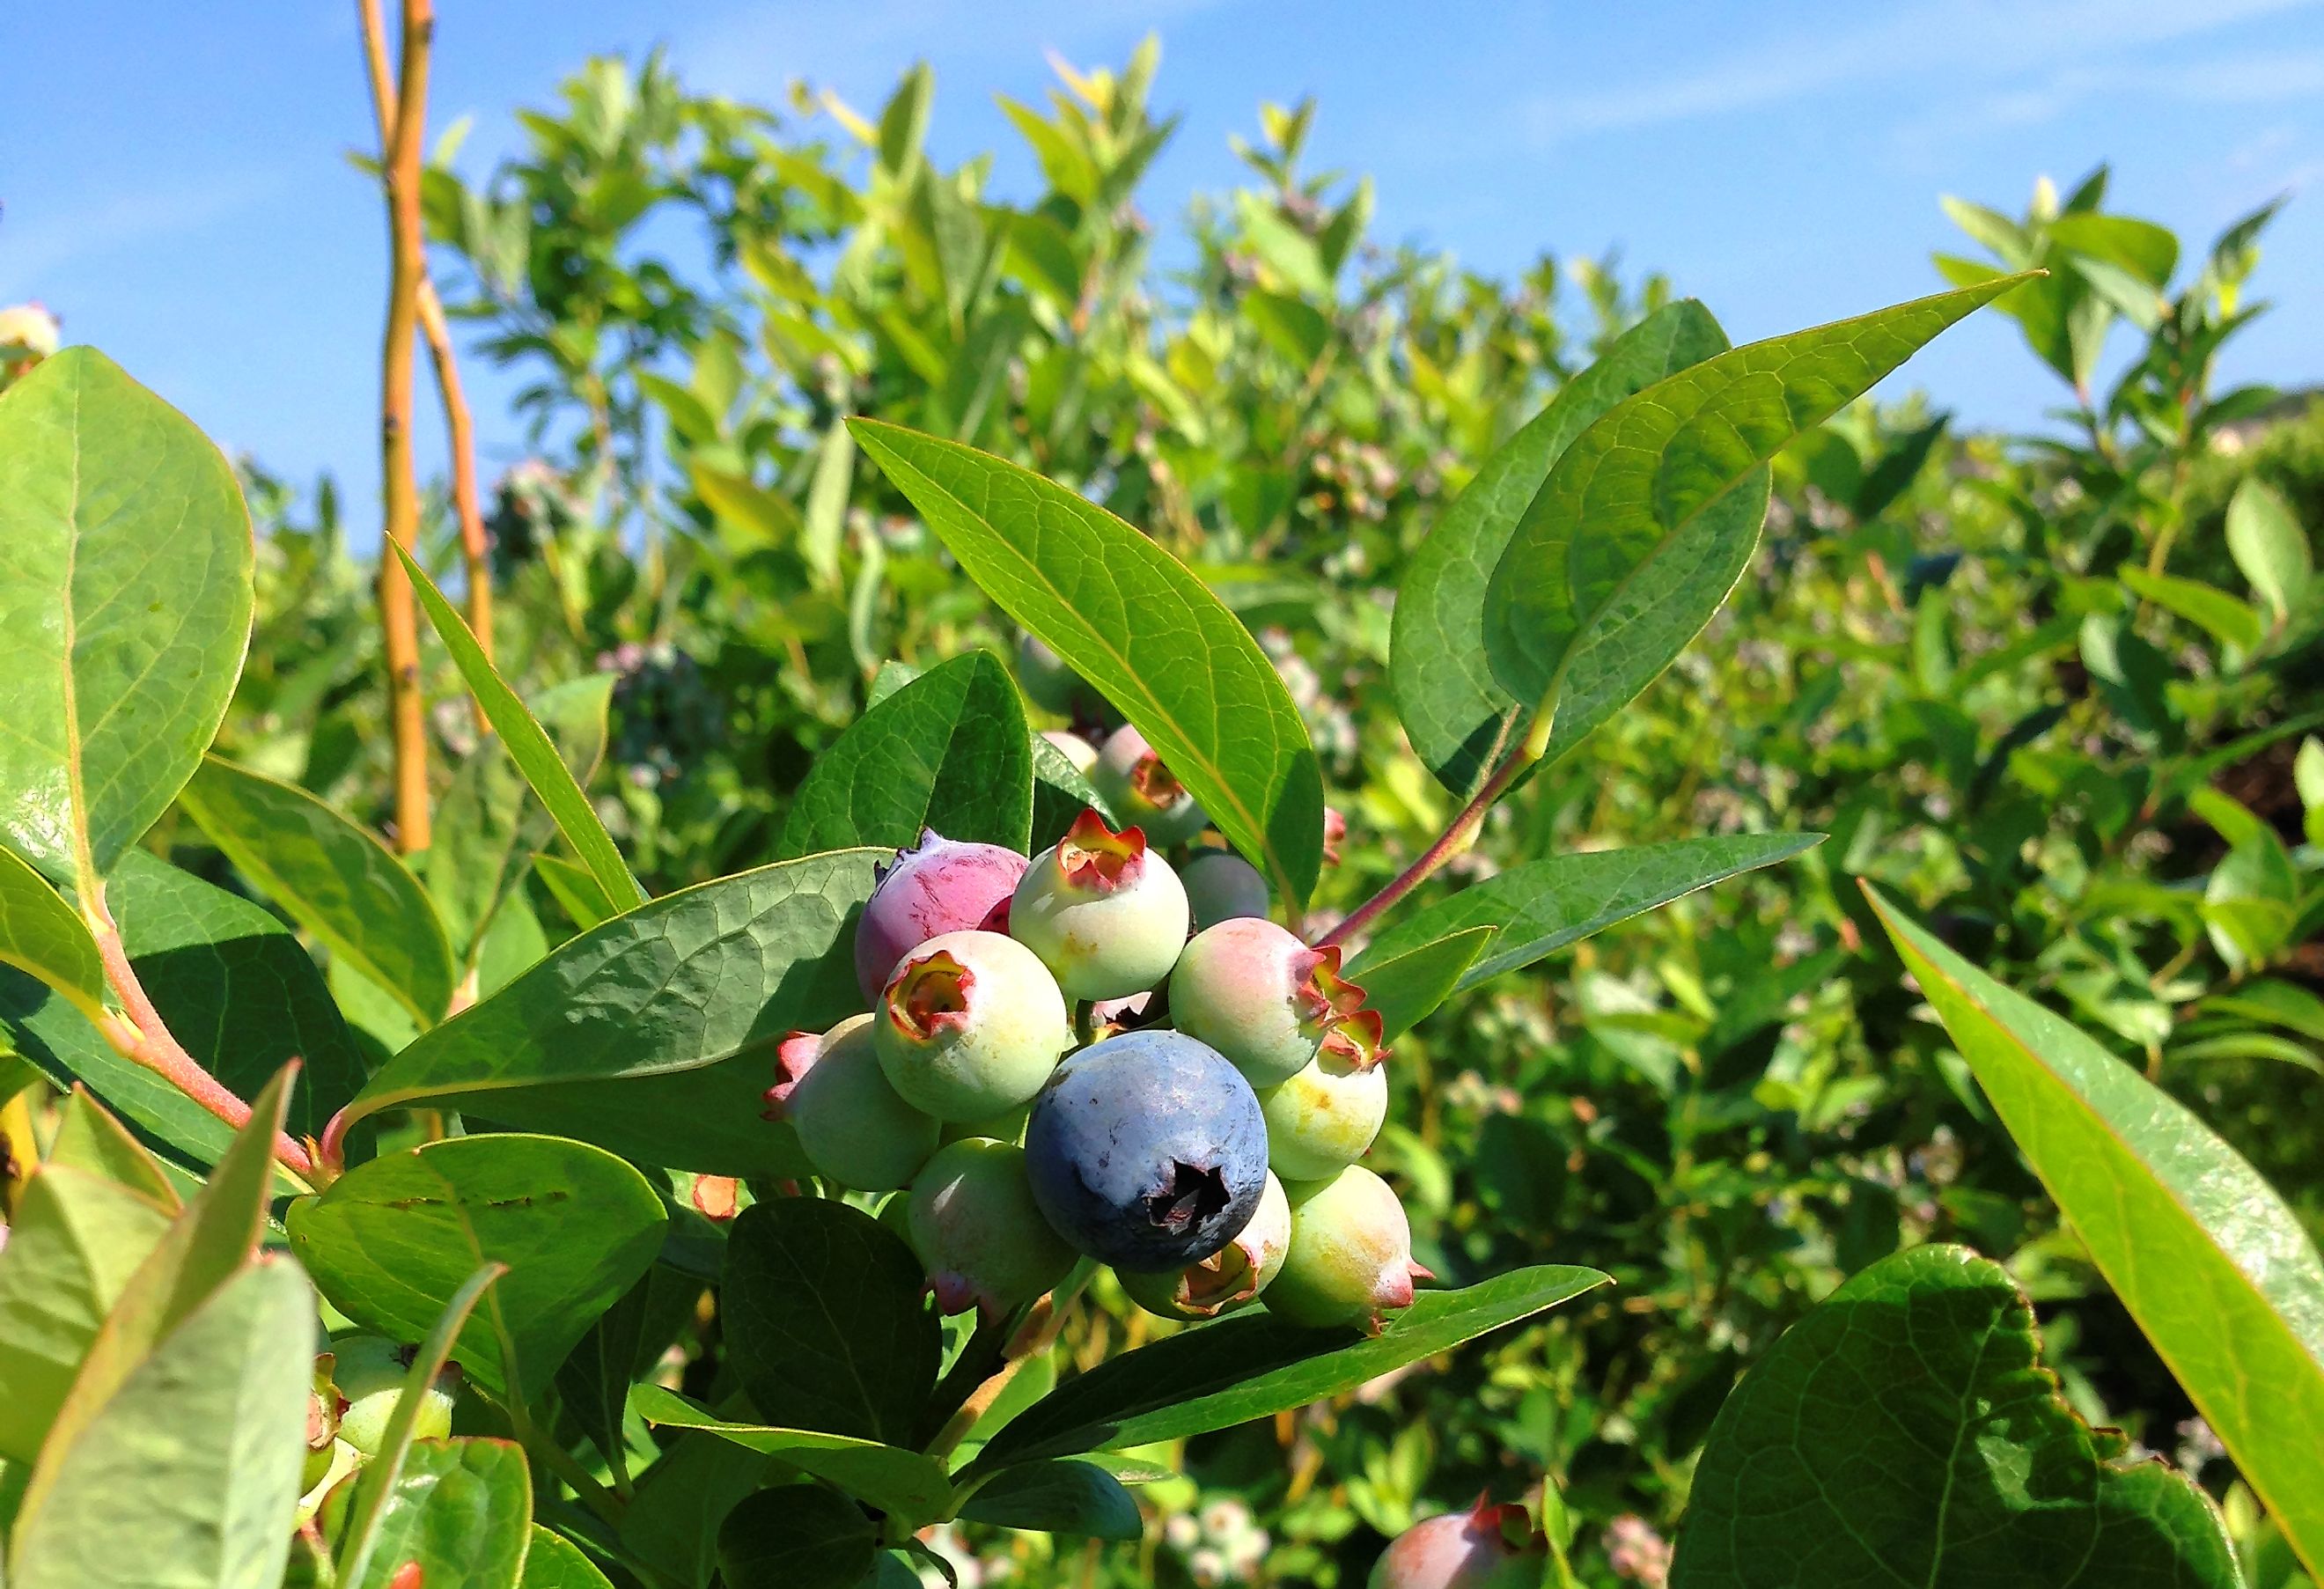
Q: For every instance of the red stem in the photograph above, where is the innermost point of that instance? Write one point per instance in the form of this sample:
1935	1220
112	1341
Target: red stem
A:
1449	844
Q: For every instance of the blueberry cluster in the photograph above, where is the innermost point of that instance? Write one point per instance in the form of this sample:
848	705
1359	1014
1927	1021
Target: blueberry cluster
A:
1090	1054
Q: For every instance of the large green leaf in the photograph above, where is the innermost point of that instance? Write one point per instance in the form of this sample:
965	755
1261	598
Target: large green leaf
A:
233	986
672	1523
333	876
45	938
554	1562
653	1035
74	1240
900	1482
1647	521
1059	1496
393	1242
536	756
189	1477
1905	1432
126	558
826	1323
1405	986
463	1511
795	1536
1145	632
1541	906
1252	1366
949	751
2206	1256
1461	722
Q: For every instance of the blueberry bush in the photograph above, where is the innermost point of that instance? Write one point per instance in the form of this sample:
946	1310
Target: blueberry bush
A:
1304	919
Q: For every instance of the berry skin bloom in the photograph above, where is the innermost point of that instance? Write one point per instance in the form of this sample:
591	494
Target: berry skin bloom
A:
970	1026
938	886
971	1219
1146	1151
1143	792
1104	912
1350	1256
851	1125
1254	992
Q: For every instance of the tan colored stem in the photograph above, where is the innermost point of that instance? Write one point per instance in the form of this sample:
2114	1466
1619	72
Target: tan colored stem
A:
476	541
399	622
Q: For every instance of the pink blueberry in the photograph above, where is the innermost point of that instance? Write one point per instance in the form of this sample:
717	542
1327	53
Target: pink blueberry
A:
973	1220
1143	792
1488	1547
1254	992
1350	1256
938	886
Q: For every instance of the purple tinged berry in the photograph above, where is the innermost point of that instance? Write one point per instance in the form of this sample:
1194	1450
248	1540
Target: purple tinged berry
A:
971	1219
1143	792
1221	886
1147	1151
1228	1277
1351	1255
1104	912
1327	1115
970	1026
938	886
1488	1547
1268	1002
850	1123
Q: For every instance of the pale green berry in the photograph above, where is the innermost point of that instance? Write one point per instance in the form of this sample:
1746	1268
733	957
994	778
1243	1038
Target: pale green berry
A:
970	1026
852	1124
977	1230
1103	910
1350	1254
1254	992
1323	1117
1228	1277
1143	792
370	1371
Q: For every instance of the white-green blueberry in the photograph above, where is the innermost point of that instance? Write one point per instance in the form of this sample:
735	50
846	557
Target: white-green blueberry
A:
1326	1116
1143	792
970	1026
1253	990
1351	1256
1103	910
369	1371
852	1124
979	1234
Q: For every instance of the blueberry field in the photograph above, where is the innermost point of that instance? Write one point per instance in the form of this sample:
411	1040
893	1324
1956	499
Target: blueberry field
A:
1076	891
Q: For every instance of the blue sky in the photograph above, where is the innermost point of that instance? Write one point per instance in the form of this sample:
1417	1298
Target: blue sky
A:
175	185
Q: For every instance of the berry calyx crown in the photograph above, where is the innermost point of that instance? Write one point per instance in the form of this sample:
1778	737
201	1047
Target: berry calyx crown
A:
1093	858
929	995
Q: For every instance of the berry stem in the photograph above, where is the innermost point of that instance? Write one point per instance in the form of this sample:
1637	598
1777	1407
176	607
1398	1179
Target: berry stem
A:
1458	835
1010	1341
140	1034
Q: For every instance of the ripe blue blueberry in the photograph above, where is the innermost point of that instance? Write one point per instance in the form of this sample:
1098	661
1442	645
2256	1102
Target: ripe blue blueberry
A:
1147	1151
938	886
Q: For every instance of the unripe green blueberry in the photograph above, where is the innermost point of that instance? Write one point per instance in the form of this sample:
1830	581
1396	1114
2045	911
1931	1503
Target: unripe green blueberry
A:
1230	1277
1327	1115
369	1372
1350	1254
1254	992
1103	910
851	1125
1486	1547
1050	684
1220	886
338	1459
1074	748
1143	792
970	1026
978	1231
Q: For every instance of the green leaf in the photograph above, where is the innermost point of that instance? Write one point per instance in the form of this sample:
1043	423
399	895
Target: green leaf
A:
1061	792
672	1524
1295	329
74	1239
188	1477
2208	607
333	876
576	892
654	1034
462	1509
200	1253
393	1242
795	1536
901	1483
381	1478
1059	1496
87	1137
1905	1432
1647	521
826	503
949	751
766	517
2206	1256
1145	632
1405	986
1459	721
527	742
1540	907
233	986
551	1561
2269	547
126	559
44	936
1251	1366
826	1323
2149	253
